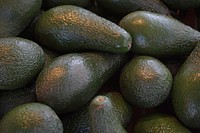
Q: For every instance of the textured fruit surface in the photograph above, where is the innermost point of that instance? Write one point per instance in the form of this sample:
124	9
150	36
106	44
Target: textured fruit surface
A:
185	92
20	62
102	116
159	123
31	118
159	35
70	28
15	15
71	80
145	82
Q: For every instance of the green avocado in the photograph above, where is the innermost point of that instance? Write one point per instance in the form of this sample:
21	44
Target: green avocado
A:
185	92
70	81
70	29
31	118
159	35
15	15
21	60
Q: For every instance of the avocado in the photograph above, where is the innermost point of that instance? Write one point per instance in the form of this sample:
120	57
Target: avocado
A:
159	123
182	4
159	35
53	3
128	6
78	120
10	99
15	15
145	82
103	117
185	92
21	60
70	29
71	80
31	118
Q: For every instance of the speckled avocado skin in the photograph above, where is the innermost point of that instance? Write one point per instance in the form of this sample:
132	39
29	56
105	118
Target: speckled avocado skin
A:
70	28
185	92
71	80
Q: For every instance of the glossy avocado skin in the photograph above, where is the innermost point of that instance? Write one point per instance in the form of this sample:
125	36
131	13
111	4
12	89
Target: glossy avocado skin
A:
78	121
10	99
145	82
70	28
159	35
31	118
21	60
102	117
185	92
159	123
182	4
15	15
54	3
71	80
128	6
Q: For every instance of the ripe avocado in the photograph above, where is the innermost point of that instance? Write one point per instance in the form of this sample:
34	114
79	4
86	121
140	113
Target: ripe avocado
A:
103	117
145	82
159	123
15	15
10	99
20	62
71	80
31	118
78	121
159	35
185	92
70	29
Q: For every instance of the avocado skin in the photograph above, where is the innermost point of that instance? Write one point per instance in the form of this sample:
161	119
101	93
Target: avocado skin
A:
159	123
103	117
185	92
70	29
78	121
31	118
9	99
159	35
21	60
182	4
15	15
145	82
128	6
71	80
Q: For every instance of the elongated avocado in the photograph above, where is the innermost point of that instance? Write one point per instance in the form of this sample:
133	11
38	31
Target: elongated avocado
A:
159	35
70	28
102	116
185	92
71	80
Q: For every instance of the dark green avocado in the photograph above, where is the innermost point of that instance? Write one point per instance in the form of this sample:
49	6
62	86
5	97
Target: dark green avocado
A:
103	117
71	80
21	60
185	92
31	118
159	123
159	35
70	29
15	15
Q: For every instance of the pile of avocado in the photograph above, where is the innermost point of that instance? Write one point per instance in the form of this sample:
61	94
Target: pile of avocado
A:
99	66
